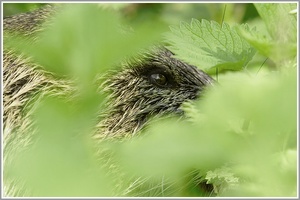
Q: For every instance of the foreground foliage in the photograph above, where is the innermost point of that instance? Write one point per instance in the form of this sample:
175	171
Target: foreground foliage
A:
240	137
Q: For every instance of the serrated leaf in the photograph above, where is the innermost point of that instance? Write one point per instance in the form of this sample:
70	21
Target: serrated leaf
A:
208	45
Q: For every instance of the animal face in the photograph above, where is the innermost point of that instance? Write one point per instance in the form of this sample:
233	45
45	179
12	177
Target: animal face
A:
156	84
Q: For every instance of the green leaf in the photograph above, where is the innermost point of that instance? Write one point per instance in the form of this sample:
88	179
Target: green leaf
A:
61	160
280	22
209	45
244	122
276	50
82	40
280	43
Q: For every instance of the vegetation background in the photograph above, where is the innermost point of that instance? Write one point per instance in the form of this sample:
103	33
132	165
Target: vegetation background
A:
241	136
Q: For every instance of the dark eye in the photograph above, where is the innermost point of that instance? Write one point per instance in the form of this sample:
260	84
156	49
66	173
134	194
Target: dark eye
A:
158	79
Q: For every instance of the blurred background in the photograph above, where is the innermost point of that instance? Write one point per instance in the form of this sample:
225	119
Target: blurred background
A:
171	13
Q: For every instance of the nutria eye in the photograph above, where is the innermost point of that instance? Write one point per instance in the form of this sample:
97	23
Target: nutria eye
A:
158	79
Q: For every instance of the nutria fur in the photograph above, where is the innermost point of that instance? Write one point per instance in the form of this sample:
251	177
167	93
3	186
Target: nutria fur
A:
136	94
151	85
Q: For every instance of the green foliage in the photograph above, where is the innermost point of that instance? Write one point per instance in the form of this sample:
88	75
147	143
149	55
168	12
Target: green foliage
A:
210	45
241	136
81	42
75	43
280	42
276	50
279	19
241	127
60	162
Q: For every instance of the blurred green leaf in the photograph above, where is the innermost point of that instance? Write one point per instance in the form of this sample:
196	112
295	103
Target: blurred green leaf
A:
60	162
80	42
239	125
278	51
83	40
281	45
281	24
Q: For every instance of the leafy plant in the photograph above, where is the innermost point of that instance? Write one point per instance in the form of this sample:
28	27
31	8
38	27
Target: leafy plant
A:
79	43
240	136
210	45
247	123
280	42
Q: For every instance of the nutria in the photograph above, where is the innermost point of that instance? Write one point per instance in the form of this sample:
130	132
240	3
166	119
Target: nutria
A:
151	85
156	83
